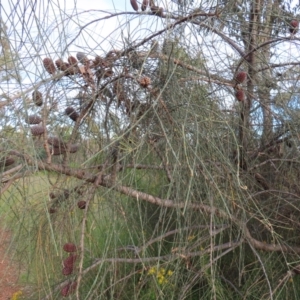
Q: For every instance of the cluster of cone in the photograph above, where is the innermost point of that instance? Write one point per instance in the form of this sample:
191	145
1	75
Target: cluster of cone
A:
156	10
73	67
68	267
69	68
36	130
103	67
239	79
58	147
81	204
242	76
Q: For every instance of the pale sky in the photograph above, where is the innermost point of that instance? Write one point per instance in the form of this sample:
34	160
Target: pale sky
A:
52	28
58	29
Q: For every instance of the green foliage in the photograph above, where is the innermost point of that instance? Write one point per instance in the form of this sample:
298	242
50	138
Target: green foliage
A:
8	59
186	192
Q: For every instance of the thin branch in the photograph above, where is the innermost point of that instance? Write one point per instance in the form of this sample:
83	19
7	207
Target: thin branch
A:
12	170
229	246
166	167
272	160
172	232
168	203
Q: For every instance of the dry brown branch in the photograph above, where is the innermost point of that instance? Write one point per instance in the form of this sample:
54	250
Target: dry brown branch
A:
12	170
80	174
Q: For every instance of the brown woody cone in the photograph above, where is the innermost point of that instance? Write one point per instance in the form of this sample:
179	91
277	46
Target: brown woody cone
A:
74	148
70	260
81	204
68	289
37	130
156	10
72	70
57	151
37	98
73	66
294	26
145	3
6	161
98	62
70	247
63	149
144	82
59	64
55	142
71	113
65	67
52	210
65	290
240	95
134	5
240	77
67	271
33	119
49	65
52	195
72	61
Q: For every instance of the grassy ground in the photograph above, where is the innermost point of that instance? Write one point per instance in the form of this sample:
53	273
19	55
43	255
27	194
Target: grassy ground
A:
38	236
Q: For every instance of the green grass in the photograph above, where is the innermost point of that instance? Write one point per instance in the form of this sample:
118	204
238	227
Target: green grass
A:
116	221
38	237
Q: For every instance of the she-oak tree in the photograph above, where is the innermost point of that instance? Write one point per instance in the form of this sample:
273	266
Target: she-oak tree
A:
187	134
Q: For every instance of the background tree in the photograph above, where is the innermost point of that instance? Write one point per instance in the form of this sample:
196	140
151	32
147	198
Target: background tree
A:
165	166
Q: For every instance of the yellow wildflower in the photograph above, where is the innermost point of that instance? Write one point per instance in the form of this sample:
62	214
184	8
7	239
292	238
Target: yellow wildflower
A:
152	271
191	237
162	280
162	271
16	295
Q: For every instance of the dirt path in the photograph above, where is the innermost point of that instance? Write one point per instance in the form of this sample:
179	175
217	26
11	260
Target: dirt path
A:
9	272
